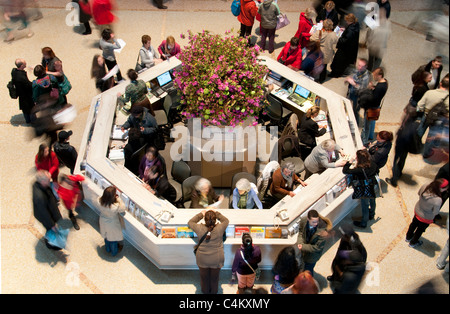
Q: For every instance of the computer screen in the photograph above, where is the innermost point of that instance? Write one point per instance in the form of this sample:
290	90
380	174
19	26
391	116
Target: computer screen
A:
164	78
302	91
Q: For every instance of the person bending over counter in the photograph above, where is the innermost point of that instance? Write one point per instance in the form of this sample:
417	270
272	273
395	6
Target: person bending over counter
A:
283	181
135	92
291	55
141	118
324	156
244	197
204	196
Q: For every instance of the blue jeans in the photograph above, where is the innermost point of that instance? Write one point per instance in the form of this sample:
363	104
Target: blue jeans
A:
368	206
112	247
368	130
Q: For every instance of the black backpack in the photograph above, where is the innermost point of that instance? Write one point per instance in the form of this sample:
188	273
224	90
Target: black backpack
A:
12	90
437	111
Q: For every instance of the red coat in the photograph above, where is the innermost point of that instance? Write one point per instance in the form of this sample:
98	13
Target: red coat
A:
248	12
304	26
100	10
295	57
51	164
68	195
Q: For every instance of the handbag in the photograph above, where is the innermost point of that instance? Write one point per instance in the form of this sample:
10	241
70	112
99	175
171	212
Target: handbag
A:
282	21
373	113
139	67
236	7
363	188
257	272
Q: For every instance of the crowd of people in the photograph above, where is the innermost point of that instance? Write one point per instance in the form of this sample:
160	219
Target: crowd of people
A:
309	52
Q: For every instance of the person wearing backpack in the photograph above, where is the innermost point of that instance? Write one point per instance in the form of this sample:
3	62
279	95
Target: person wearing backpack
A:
247	17
433	100
24	90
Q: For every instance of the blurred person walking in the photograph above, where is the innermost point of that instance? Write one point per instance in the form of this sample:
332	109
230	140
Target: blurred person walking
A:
377	39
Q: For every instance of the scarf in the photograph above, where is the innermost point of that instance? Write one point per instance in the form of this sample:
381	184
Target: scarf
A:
288	178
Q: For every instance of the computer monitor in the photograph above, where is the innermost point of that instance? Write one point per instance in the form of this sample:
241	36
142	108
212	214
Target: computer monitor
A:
164	78
302	91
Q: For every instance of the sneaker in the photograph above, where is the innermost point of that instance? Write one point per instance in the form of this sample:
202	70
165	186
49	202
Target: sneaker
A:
419	243
407	240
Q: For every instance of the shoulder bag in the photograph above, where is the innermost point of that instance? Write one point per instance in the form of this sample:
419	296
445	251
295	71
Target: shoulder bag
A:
199	242
363	188
257	272
139	66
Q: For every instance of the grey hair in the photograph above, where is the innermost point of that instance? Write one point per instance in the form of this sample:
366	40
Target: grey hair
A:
327	144
243	185
289	165
200	184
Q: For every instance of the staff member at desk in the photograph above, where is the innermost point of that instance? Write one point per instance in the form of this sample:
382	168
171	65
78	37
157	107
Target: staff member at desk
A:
283	181
291	55
204	196
309	130
324	156
136	92
159	185
244	197
140	118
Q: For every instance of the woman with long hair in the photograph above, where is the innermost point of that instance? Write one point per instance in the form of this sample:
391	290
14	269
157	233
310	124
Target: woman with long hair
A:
247	254
427	207
285	270
111	222
364	168
98	72
210	255
46	159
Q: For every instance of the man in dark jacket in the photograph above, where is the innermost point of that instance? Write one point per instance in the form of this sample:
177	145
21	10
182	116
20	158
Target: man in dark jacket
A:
66	153
312	235
24	89
141	118
45	206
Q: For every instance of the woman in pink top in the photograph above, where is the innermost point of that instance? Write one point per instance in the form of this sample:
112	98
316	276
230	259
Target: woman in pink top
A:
169	48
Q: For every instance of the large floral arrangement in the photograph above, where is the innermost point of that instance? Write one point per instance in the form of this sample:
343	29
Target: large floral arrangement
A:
221	80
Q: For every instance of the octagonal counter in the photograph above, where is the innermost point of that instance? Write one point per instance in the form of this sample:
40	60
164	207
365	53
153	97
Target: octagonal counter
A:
159	230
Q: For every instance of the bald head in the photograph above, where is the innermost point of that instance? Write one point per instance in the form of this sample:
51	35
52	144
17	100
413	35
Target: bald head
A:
21	63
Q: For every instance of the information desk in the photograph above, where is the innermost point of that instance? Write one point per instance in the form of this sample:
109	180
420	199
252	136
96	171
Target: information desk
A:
159	230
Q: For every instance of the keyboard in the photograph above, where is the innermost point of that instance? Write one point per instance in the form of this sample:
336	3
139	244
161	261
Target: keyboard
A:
299	100
168	87
158	91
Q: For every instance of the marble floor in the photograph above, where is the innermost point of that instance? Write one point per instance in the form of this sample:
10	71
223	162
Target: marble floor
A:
27	266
